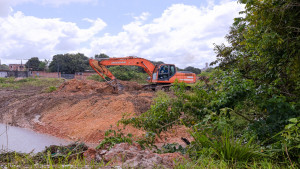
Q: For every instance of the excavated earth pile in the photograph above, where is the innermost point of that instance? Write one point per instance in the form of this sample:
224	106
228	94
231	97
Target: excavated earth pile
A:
78	110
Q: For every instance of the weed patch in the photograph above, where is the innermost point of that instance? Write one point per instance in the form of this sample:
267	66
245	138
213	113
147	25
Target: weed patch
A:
13	83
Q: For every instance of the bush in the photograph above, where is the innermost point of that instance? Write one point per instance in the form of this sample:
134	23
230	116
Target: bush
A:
158	118
117	137
51	89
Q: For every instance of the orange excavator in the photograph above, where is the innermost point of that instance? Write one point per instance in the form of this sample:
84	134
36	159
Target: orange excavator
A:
161	76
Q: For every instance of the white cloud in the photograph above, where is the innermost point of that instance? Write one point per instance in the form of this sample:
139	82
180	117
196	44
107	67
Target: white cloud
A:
5	8
183	35
144	16
27	36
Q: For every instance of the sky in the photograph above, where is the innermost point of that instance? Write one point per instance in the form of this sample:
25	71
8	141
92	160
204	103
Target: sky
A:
180	32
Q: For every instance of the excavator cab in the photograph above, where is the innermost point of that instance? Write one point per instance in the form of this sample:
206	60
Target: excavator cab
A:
165	72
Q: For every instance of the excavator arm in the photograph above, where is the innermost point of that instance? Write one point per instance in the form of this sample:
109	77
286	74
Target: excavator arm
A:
102	70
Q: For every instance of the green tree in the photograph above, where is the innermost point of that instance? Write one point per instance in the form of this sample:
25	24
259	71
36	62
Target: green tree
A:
33	64
101	55
264	48
69	63
42	65
192	69
264	45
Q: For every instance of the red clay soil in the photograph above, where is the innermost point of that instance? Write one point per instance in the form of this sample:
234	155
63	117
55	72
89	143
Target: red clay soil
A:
79	110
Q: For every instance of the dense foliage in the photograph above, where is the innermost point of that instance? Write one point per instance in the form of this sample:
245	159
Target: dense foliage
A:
125	73
192	69
249	108
128	73
69	63
264	45
34	64
101	56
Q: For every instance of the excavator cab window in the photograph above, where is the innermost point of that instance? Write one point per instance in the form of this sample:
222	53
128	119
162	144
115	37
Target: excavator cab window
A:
172	70
166	71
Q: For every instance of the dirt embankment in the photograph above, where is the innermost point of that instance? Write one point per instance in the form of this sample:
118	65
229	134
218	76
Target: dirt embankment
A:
79	110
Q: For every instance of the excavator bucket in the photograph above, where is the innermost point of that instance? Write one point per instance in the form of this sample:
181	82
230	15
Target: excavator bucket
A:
117	86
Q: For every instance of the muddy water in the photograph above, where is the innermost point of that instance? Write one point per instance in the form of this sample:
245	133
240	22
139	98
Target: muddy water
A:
25	141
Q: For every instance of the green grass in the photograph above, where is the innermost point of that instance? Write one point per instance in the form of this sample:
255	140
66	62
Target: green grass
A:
28	162
211	163
13	83
70	156
50	89
226	147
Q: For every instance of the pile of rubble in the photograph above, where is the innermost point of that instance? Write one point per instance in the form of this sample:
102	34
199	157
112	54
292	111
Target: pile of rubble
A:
132	156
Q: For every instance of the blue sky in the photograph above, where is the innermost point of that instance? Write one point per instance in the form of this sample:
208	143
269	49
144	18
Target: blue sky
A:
181	32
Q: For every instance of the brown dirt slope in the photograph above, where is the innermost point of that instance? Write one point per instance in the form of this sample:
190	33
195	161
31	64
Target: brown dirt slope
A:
78	110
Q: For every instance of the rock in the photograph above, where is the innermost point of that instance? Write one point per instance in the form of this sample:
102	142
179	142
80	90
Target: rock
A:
90	155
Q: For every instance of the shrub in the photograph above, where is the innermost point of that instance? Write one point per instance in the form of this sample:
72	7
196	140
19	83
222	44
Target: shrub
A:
117	137
51	89
160	117
2	79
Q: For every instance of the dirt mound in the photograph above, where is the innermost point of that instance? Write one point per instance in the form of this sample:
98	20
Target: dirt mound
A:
131	86
90	86
85	87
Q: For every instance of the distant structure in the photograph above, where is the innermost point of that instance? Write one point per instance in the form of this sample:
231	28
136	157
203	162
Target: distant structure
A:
16	67
205	68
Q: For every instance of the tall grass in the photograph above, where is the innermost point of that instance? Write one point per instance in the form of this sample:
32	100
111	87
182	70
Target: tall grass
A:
70	156
211	163
226	147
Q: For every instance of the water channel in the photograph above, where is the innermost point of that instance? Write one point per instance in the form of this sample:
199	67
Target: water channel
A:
24	140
